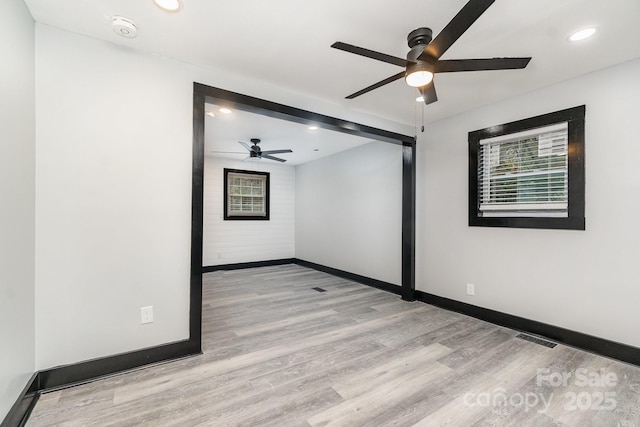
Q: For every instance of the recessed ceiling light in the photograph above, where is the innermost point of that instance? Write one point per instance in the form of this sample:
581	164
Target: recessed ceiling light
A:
170	5
582	34
225	111
420	99
313	127
209	113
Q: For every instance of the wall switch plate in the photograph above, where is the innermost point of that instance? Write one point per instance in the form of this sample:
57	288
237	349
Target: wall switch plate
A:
471	289
146	314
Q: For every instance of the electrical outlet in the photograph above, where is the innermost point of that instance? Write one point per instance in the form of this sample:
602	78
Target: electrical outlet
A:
471	289
146	314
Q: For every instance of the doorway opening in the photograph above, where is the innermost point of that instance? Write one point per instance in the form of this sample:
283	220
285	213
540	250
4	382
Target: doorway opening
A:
203	94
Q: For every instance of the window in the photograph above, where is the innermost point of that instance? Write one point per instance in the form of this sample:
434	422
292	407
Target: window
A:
524	174
246	195
529	173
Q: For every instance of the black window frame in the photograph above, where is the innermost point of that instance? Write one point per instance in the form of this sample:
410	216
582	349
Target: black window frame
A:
575	117
267	196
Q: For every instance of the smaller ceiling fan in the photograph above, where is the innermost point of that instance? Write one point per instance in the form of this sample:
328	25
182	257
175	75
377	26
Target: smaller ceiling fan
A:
423	60
255	151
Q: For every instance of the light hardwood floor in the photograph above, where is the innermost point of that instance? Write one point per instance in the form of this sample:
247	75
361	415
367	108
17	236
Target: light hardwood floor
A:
278	353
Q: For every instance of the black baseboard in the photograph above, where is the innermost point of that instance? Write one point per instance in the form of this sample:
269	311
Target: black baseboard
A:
20	411
90	370
241	265
600	346
78	373
379	284
385	286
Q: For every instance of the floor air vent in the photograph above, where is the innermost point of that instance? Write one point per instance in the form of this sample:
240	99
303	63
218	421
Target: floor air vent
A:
537	340
319	289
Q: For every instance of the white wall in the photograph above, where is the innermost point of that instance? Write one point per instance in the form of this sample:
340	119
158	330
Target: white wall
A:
113	177
17	200
590	282
229	242
349	213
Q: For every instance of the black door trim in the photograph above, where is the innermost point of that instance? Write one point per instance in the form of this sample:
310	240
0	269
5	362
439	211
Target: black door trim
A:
77	373
206	94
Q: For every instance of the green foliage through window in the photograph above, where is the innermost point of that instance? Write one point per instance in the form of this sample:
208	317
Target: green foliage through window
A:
524	173
529	173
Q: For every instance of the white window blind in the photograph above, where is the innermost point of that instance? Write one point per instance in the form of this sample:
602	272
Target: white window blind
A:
524	173
246	194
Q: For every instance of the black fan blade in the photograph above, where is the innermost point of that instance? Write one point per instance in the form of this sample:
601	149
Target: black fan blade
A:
245	145
370	54
455	28
276	152
277	159
454	65
377	85
428	92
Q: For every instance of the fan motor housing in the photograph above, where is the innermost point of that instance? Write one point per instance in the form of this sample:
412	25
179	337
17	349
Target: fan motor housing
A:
255	150
424	55
419	36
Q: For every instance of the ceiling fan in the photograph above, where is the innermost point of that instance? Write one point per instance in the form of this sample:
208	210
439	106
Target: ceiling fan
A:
423	60
255	151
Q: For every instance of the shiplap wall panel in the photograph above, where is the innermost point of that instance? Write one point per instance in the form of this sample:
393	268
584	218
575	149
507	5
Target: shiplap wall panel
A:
230	242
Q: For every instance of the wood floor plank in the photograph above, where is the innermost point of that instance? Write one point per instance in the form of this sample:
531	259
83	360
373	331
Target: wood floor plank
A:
384	373
359	409
278	353
283	323
148	388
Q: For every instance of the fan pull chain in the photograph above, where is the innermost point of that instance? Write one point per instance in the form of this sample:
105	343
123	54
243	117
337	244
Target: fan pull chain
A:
415	117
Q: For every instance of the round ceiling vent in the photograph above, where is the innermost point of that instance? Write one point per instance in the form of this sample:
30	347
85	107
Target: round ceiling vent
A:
124	27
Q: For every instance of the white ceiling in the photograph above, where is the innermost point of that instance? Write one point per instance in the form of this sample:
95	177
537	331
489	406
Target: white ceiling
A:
223	131
286	42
